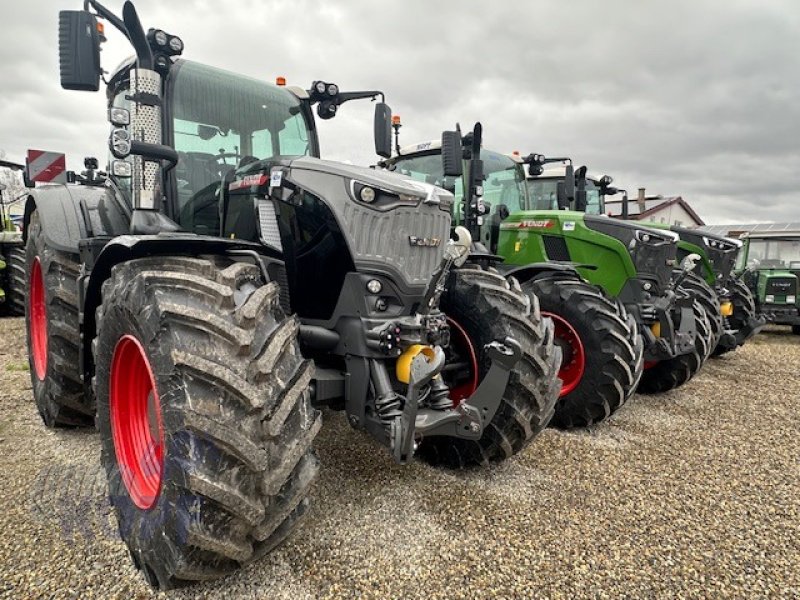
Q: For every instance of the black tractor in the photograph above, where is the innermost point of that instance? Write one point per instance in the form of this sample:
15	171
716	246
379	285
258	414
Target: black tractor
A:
201	301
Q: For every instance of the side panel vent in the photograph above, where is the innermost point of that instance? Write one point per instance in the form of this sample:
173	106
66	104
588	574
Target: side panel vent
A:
556	248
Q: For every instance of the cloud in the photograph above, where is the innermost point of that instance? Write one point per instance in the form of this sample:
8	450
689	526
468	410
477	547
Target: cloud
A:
697	99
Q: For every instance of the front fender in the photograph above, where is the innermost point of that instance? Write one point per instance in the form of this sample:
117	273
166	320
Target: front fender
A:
129	247
537	270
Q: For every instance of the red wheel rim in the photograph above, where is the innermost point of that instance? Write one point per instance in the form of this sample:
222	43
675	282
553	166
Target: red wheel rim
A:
136	429
37	306
462	345
573	359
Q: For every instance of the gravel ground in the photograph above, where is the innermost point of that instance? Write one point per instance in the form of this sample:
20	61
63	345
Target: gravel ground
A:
695	493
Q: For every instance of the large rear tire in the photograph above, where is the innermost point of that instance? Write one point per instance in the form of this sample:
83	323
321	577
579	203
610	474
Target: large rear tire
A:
744	309
482	307
15	281
667	375
53	333
603	352
204	413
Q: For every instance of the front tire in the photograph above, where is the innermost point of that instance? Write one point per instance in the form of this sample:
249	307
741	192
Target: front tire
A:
483	307
666	375
744	309
601	345
204	413
709	301
52	332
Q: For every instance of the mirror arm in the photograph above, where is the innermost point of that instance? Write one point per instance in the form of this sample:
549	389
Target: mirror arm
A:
106	14
343	97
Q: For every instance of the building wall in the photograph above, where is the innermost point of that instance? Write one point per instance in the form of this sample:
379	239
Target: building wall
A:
674	214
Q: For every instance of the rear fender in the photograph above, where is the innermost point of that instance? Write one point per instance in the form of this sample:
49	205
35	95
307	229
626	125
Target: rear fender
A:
71	213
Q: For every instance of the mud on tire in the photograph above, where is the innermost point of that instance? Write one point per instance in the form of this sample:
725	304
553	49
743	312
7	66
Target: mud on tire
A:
55	376
489	307
609	341
236	422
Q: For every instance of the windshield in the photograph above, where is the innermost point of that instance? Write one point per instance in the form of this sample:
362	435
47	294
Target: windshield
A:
543	194
222	121
504	182
774	253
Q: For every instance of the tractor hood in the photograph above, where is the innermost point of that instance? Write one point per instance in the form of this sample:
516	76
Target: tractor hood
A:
391	224
394	183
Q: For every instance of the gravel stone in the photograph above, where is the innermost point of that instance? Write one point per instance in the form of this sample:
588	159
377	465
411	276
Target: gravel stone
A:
694	493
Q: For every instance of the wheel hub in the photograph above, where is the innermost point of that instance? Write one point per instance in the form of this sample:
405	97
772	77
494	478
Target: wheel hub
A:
37	309
136	426
573	361
462	355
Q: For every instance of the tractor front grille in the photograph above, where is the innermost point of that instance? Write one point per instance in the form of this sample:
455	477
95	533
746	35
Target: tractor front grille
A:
781	286
384	237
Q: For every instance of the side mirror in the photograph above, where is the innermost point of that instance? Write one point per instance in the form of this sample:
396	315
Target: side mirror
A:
452	154
561	195
502	212
383	130
580	201
78	50
569	186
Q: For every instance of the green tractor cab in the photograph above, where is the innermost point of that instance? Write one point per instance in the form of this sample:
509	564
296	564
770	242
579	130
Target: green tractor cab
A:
769	264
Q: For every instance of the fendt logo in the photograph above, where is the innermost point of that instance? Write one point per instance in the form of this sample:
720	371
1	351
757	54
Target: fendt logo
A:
782	285
425	242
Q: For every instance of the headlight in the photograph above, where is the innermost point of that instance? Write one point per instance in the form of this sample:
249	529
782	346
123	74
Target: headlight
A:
121	168
790	299
176	44
160	37
769	298
367	194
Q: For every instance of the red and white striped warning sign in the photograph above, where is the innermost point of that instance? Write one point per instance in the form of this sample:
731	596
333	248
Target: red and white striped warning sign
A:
46	167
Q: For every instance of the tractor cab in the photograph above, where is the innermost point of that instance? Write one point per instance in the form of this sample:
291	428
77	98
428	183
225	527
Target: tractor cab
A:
543	189
503	187
218	122
770	266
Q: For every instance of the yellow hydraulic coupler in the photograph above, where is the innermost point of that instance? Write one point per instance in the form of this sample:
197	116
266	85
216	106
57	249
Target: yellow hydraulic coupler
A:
726	308
656	329
403	366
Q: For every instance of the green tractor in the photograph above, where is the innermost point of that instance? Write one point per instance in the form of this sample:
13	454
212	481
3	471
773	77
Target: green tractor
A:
599	338
12	253
200	300
575	262
728	302
769	264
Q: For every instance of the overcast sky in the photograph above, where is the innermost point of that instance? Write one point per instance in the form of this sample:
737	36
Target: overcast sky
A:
699	99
